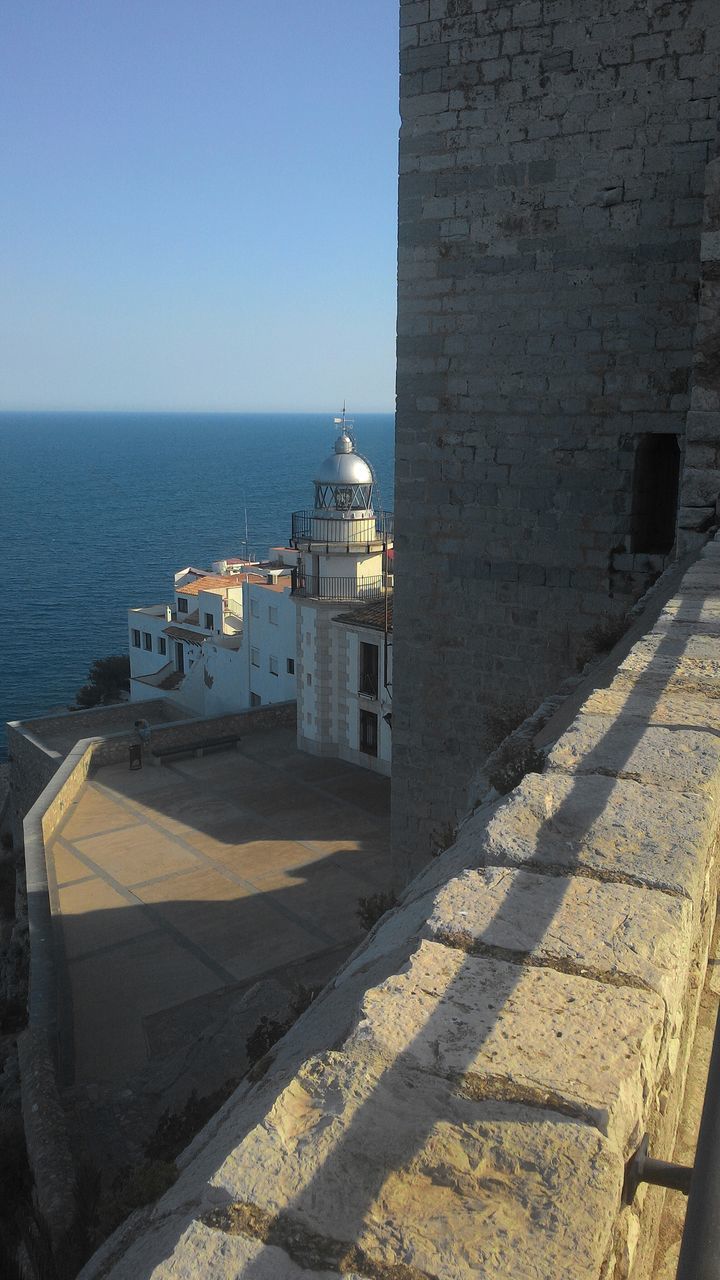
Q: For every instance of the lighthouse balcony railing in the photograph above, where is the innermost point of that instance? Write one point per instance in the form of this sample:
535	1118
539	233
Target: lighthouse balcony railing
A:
325	529
337	590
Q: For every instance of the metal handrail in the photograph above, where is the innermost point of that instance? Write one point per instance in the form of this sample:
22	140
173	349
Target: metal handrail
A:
368	685
304	527
335	589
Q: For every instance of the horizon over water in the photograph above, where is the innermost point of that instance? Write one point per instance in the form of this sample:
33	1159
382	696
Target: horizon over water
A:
99	510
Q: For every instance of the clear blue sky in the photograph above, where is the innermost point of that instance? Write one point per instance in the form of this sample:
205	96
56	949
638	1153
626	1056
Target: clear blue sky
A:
198	204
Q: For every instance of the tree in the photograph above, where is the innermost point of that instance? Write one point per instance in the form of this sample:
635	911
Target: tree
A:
108	680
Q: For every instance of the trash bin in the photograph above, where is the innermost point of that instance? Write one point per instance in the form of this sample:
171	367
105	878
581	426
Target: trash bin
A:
135	755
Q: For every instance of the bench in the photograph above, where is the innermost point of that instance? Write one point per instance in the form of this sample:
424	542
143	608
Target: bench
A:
159	752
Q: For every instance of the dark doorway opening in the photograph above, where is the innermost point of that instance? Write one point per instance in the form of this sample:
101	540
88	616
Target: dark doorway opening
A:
655	494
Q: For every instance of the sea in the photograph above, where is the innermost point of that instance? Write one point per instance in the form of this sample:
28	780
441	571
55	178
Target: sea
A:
99	510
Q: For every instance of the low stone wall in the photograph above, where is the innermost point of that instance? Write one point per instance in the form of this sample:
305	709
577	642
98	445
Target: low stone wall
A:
46	1135
32	765
191	733
462	1099
40	1049
37	747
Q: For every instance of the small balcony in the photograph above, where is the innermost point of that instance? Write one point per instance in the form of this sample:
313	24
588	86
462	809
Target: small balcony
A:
368	685
325	530
337	590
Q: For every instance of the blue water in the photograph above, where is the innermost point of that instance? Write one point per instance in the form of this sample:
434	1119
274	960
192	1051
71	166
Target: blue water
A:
97	511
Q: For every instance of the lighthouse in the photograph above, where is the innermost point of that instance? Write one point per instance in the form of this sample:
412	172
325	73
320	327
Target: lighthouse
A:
343	547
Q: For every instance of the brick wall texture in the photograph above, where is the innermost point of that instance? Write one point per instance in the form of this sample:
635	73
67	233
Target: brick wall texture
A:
553	163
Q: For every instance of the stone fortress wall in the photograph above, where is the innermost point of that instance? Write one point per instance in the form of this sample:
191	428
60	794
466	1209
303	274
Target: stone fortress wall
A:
553	162
462	1098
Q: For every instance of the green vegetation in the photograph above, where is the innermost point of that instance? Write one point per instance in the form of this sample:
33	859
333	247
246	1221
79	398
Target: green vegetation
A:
176	1129
269	1030
601	637
371	909
108	680
512	761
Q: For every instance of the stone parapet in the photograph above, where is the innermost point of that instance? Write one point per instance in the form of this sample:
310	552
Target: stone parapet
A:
462	1099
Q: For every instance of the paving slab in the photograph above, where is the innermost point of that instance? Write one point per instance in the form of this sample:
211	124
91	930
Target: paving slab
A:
173	871
97	814
69	868
95	916
110	1001
134	854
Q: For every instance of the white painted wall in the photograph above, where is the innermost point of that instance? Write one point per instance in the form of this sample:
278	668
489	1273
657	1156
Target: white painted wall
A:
380	706
306	666
217	682
270	638
145	662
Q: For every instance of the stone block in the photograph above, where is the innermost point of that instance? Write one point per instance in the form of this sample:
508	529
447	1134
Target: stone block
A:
703	426
700	487
682	647
695	517
656	705
513	1032
680	760
396	1169
604	827
616	933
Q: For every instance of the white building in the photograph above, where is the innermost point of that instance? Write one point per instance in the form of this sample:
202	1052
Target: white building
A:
314	625
342	585
227	642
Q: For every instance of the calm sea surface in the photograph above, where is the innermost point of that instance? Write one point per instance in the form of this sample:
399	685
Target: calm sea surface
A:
97	511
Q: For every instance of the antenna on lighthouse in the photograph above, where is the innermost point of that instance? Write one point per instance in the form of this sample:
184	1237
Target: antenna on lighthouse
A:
347	425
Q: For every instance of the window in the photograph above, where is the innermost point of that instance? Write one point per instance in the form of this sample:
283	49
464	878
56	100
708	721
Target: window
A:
273	665
147	641
308	679
368	686
291	666
209	621
273	614
368	732
162	644
136	639
254	610
255	657
655	494
255	700
182	605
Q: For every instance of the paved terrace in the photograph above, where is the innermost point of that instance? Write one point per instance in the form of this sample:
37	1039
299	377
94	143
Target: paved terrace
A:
180	882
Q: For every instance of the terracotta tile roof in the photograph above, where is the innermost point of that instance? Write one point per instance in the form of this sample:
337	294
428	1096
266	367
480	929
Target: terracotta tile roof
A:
369	615
212	582
180	633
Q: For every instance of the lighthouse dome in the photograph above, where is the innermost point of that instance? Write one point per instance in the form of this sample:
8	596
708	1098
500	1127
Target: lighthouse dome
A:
344	481
344	466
